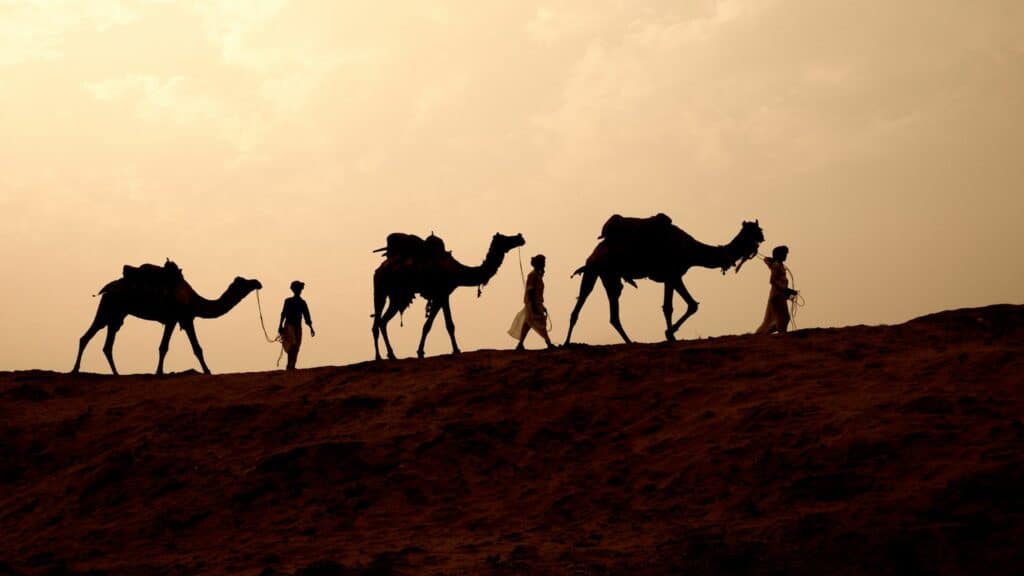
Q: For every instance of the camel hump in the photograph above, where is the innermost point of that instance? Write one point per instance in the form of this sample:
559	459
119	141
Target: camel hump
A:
619	226
434	245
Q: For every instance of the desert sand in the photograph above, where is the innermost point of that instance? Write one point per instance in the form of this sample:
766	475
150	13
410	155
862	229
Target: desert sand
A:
857	450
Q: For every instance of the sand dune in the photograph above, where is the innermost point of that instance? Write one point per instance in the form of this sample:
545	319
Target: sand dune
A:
861	450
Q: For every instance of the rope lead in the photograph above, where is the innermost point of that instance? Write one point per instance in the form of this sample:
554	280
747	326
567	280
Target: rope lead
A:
259	306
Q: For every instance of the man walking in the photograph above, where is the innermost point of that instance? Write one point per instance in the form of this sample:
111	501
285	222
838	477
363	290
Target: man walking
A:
290	328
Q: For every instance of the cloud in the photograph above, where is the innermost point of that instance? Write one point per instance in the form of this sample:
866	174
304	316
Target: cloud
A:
157	98
740	86
34	30
228	23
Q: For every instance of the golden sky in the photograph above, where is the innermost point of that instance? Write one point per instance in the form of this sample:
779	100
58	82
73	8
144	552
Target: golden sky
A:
284	140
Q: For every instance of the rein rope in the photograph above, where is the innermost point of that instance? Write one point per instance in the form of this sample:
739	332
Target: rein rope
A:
259	306
522	275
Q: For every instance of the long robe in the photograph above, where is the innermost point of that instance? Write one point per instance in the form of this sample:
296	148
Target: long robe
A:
533	313
776	314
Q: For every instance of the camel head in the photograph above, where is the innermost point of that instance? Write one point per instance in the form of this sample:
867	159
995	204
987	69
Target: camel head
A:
747	242
503	244
752	235
244	285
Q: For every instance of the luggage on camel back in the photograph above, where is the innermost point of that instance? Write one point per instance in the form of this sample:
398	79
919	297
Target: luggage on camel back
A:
629	229
148	278
401	245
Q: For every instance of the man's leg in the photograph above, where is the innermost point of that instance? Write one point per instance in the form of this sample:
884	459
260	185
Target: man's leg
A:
543	331
522	335
295	337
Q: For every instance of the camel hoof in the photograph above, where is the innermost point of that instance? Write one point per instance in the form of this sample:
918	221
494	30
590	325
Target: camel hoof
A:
669	336
456	351
419	353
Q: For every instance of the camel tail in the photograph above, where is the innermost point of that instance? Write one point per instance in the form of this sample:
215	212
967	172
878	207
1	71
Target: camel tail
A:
107	288
579	270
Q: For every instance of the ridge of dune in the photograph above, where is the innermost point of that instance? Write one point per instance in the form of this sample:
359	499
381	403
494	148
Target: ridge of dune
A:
864	449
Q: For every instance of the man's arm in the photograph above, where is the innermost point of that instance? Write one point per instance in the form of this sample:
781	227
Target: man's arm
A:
309	321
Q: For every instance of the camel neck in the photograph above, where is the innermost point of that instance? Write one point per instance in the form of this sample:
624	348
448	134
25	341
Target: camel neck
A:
479	275
206	308
707	256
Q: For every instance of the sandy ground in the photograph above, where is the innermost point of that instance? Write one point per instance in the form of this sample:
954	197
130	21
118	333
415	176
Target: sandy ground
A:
861	450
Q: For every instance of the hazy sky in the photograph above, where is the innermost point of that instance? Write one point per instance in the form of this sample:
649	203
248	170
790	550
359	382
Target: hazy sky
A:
882	141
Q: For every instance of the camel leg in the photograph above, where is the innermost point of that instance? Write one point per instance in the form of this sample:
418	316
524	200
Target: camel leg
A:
378	306
426	329
190	330
165	343
450	325
666	307
613	287
376	336
96	326
586	286
691	308
108	344
382	323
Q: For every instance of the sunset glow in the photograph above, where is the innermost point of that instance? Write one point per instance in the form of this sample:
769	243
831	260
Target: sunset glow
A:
284	140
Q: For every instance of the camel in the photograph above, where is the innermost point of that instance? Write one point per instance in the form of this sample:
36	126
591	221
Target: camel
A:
422	266
160	294
654	248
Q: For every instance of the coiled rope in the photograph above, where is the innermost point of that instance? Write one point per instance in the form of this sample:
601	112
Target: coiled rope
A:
797	300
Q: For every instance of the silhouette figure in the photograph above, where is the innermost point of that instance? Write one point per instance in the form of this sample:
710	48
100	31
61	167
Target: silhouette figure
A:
293	313
161	294
654	248
534	314
414	266
776	315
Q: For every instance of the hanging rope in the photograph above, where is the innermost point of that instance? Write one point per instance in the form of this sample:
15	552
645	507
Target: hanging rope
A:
522	275
796	301
259	306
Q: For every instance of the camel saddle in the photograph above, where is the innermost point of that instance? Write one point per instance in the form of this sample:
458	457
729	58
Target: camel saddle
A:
158	278
401	245
628	228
